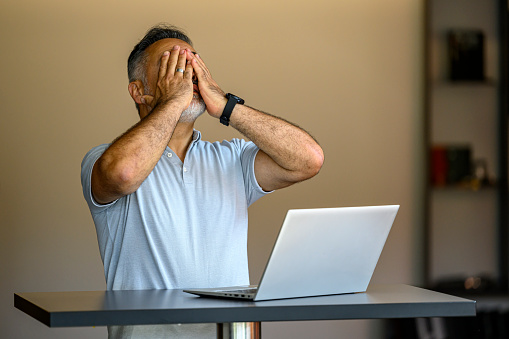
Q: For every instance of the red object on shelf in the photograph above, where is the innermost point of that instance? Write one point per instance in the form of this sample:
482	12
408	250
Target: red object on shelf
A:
439	166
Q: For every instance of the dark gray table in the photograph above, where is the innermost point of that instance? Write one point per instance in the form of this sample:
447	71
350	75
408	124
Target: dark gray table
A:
143	307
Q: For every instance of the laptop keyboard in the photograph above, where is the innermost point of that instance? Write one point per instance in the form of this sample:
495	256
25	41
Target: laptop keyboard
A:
249	290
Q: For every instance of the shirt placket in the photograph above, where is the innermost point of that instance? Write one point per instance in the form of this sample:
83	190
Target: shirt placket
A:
186	172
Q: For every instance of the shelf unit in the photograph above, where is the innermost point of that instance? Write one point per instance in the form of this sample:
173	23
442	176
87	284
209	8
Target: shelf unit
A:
466	233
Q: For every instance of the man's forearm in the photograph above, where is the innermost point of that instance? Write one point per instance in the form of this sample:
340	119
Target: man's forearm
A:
133	155
289	154
289	146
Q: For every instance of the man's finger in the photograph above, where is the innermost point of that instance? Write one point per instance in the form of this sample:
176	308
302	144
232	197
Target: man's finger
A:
164	64
188	73
172	61
198	70
200	62
181	62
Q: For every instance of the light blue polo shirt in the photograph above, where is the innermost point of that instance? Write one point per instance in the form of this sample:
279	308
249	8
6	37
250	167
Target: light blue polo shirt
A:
186	225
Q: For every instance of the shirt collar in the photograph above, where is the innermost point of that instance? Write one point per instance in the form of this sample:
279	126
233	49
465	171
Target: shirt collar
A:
196	136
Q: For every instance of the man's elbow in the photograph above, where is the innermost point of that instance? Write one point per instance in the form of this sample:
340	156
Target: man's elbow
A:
117	179
313	164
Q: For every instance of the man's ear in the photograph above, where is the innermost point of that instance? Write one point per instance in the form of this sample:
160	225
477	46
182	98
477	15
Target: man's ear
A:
136	90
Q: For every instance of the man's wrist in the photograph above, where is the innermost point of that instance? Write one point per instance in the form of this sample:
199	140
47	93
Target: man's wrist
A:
172	107
233	100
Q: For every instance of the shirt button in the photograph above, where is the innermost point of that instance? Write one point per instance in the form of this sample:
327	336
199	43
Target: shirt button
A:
185	169
170	155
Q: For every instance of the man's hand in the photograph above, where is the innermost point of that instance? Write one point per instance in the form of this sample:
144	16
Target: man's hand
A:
210	91
172	85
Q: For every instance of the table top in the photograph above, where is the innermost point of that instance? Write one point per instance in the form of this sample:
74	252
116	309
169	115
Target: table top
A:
142	307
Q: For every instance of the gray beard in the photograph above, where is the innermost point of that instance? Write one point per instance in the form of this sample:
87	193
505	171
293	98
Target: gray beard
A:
193	111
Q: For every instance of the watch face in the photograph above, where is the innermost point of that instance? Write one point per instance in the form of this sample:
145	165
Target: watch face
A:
239	100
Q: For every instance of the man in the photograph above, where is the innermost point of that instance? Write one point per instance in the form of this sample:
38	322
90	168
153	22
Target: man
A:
170	210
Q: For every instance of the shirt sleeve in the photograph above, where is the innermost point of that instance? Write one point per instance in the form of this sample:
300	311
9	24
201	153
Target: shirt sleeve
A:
248	152
86	178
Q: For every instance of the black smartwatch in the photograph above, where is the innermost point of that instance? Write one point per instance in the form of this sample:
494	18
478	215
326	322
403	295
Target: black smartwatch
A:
232	101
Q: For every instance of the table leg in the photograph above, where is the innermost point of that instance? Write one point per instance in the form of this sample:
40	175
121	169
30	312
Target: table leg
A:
239	330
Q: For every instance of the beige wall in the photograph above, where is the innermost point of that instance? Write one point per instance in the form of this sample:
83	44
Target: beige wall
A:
347	71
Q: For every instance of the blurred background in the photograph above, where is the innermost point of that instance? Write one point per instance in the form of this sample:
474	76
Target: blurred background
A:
352	73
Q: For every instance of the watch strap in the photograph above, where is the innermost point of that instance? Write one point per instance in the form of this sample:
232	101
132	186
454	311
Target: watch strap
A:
228	109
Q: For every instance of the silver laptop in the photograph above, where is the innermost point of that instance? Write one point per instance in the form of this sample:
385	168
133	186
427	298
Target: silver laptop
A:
319	252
